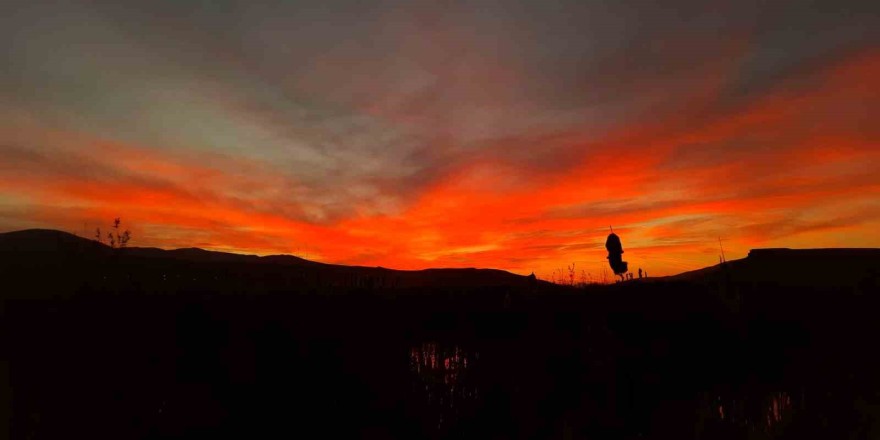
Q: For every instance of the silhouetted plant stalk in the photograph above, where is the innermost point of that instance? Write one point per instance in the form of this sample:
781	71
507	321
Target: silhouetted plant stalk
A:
114	238
569	277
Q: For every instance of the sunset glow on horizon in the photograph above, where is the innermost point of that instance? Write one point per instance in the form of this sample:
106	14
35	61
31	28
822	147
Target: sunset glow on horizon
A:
479	134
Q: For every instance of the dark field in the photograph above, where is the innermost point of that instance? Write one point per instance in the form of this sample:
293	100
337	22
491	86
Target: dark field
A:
101	344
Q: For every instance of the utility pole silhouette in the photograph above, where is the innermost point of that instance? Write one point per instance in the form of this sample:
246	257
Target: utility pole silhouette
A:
723	259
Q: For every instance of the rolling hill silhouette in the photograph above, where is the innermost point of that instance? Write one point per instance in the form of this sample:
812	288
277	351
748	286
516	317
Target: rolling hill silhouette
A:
779	266
793	268
44	247
152	343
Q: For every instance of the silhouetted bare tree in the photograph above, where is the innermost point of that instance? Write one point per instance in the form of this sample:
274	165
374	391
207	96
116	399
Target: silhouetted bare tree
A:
115	239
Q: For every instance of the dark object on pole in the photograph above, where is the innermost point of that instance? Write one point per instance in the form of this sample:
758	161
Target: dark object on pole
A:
615	254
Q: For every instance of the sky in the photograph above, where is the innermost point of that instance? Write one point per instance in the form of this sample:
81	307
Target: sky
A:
414	134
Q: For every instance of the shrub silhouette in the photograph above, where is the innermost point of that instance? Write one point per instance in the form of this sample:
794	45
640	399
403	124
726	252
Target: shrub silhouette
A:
615	255
114	238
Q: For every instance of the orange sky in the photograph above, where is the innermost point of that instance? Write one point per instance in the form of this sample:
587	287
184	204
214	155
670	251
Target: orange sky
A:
409	161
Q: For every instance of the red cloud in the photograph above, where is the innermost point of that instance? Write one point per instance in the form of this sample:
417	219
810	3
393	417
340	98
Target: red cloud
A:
784	167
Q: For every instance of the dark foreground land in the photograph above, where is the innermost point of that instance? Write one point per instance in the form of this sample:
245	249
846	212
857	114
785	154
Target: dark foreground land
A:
144	343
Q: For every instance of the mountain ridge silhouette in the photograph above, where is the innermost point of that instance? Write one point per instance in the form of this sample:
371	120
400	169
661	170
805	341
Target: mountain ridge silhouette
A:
47	245
783	266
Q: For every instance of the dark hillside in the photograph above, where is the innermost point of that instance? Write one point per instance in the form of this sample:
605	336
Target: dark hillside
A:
148	343
794	267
